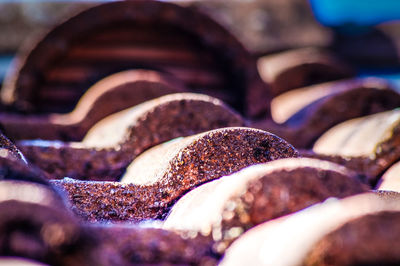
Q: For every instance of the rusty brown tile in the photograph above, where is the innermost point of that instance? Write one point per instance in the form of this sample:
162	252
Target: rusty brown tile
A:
307	113
302	67
286	105
35	223
368	145
179	165
115	141
111	202
112	94
371	239
362	224
161	175
228	207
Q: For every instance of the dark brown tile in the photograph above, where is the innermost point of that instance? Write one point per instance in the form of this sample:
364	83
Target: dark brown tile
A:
228	207
368	145
161	175
357	230
307	113
111	94
294	69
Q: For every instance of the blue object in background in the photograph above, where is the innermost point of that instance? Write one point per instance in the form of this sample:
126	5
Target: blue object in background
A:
336	13
353	17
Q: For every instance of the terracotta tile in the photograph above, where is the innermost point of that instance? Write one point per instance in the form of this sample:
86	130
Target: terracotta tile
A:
312	236
226	208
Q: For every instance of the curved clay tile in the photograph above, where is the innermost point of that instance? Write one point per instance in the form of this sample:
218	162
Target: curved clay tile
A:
111	94
368	145
161	175
115	141
285	106
35	223
358	248
300	68
121	35
228	207
359	230
309	112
